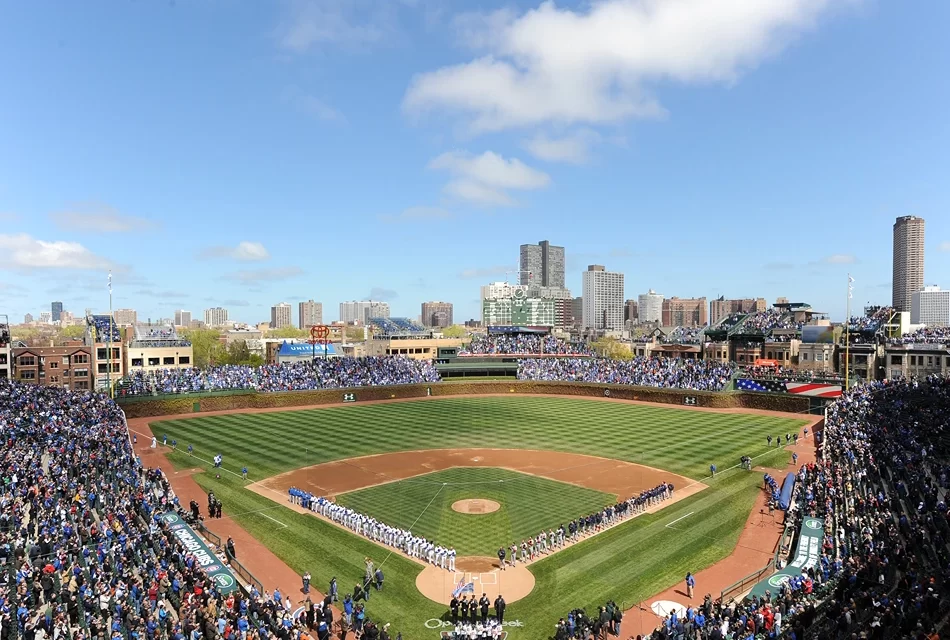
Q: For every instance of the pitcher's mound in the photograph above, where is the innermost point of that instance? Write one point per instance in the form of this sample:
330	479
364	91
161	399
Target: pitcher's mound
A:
475	506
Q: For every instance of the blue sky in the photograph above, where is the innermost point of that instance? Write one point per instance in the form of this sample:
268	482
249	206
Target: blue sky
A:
242	154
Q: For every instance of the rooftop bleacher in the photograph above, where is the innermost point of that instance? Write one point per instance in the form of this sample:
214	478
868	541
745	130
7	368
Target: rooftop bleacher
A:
397	327
149	335
98	328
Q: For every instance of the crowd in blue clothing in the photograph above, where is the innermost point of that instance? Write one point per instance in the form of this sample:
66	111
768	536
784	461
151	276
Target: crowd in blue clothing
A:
705	375
84	553
523	344
334	373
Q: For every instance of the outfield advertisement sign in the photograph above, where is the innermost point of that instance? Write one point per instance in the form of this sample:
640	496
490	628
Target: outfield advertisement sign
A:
807	555
222	577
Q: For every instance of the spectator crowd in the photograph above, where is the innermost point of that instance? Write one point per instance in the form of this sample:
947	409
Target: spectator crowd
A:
84	551
925	335
522	344
334	373
697	375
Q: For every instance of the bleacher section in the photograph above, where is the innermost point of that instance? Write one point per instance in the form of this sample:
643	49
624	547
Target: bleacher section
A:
390	327
98	329
148	335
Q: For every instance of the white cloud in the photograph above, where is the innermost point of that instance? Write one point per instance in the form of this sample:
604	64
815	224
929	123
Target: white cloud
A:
573	148
353	24
596	65
382	294
484	179
840	258
244	251
944	246
99	218
22	251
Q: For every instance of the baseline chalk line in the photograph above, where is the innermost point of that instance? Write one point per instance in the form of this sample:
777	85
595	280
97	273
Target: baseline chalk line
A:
269	518
675	521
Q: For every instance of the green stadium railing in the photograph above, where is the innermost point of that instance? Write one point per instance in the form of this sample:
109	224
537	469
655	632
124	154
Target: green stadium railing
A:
236	566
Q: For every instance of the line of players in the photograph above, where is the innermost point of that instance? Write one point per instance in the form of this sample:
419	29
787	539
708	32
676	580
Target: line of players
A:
554	539
444	557
401	539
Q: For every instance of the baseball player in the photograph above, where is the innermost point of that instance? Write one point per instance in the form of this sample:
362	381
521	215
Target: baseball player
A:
513	554
452	559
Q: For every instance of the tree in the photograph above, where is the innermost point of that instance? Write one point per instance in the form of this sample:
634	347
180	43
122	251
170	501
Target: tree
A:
455	331
354	334
288	332
612	348
206	346
73	332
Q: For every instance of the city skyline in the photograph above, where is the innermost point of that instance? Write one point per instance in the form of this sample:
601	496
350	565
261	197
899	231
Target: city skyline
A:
753	137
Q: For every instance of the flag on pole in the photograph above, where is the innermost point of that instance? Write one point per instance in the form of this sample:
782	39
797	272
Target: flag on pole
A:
850	287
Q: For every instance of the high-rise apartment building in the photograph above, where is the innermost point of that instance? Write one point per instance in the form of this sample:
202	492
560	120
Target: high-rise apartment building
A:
630	311
216	316
28	318
437	314
577	310
908	275
45	317
309	313
183	318
722	308
684	312
362	310
603	298
930	306
280	316
542	264
56	309
125	317
650	306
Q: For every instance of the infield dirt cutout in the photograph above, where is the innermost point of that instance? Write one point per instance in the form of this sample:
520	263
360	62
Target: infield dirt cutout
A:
475	506
617	477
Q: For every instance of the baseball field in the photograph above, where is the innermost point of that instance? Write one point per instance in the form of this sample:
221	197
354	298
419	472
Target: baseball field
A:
542	460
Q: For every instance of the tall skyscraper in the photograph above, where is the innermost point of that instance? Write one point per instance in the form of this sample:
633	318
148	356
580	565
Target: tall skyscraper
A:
650	306
309	313
216	316
280	316
545	262
56	310
125	317
437	314
183	318
28	318
908	274
363	310
630	311
603	298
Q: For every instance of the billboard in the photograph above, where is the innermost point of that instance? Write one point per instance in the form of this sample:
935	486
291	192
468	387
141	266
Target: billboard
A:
818	334
224	580
807	554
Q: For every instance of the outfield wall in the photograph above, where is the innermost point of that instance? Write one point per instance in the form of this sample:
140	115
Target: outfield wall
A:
138	407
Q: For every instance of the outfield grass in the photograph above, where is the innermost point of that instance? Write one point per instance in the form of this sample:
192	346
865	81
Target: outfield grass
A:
627	563
529	504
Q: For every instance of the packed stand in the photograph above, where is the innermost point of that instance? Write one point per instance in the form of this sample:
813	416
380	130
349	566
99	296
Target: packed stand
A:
523	344
684	335
333	373
730	321
102	327
880	486
787	373
697	375
871	322
579	624
925	335
767	321
84	551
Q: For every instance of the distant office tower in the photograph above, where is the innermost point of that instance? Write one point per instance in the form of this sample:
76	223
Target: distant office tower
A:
650	306
45	317
545	263
930	306
684	312
908	274
603	298
309	313
183	318
361	310
577	310
630	311
721	308
280	316
437	314
56	311
125	317
28	318
216	316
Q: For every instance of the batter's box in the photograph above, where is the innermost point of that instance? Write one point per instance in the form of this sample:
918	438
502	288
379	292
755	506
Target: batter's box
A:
488	578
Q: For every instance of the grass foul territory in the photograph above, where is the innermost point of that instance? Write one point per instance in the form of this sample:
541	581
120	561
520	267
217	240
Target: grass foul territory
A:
627	563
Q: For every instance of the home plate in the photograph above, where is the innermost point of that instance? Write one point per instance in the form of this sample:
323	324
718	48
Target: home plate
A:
664	608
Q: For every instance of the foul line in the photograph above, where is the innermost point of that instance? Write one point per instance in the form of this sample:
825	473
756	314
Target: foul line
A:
680	518
269	518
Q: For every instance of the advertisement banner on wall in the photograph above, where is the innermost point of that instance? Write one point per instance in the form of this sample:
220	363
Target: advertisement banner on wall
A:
224	580
807	554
